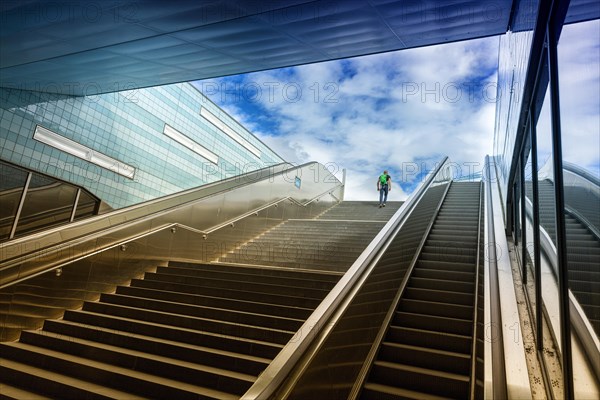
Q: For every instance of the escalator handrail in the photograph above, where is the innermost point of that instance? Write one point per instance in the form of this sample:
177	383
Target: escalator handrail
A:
336	301
371	357
577	170
476	300
171	202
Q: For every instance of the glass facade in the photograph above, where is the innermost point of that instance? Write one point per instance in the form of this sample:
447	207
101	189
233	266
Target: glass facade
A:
115	145
547	153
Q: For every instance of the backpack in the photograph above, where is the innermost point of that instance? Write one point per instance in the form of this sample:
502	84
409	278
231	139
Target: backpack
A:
383	179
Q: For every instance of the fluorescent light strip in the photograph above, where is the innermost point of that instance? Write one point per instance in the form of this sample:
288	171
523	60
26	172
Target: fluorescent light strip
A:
190	144
78	150
213	119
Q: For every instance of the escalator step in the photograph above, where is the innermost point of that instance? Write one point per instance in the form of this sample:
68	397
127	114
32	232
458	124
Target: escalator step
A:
438	309
440	284
439	296
420	379
442	274
438	360
377	391
445	265
430	339
431	322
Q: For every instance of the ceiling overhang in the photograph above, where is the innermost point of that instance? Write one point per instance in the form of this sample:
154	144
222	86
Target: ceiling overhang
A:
89	47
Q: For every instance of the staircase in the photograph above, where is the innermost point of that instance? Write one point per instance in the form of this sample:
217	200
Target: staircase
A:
331	242
426	352
189	330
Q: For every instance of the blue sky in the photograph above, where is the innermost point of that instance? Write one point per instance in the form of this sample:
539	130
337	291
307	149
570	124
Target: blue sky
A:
401	111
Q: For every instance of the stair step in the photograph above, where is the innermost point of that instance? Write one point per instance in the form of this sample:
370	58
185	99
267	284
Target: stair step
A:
211	301
196	323
58	385
8	392
179	370
179	350
113	376
192	310
248	277
220	341
237	294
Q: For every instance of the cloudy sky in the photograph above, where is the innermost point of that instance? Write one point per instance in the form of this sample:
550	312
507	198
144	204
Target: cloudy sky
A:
401	111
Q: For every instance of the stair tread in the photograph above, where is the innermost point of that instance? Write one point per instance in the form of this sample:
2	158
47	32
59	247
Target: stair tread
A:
140	354
168	342
13	392
67	380
238	338
113	369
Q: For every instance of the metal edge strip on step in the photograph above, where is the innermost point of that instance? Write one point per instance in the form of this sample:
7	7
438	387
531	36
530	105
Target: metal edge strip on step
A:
331	308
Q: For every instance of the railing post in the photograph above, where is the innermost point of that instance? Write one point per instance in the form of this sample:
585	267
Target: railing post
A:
13	230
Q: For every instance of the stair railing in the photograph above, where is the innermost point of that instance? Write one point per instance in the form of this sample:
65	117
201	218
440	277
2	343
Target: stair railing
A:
297	353
201	210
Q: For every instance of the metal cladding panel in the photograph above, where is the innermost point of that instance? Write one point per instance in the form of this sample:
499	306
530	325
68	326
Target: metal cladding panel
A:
89	47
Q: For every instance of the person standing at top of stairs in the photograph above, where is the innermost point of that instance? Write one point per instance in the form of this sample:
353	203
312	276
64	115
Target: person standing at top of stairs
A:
384	185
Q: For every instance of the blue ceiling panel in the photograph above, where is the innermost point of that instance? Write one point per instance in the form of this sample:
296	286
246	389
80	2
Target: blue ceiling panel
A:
90	46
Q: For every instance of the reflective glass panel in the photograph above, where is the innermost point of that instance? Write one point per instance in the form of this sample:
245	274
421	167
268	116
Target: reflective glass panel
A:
529	231
578	66
86	205
48	202
549	262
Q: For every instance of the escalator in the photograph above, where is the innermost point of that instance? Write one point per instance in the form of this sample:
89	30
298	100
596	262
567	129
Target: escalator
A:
583	247
428	348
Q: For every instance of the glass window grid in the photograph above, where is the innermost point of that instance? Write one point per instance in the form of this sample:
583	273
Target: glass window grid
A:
138	126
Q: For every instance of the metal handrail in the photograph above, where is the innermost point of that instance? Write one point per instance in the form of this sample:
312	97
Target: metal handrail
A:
576	169
476	305
127	219
364	373
335	302
163	203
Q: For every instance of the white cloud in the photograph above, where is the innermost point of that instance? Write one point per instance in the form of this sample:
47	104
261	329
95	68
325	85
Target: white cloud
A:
399	110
